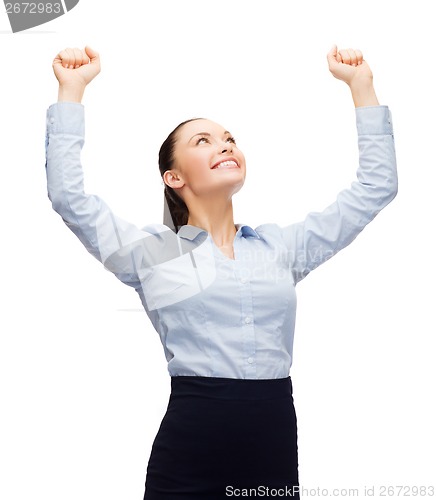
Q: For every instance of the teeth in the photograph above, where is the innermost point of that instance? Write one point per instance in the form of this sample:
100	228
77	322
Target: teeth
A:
227	164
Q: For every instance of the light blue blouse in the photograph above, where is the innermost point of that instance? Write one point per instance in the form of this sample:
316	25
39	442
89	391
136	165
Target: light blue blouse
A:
219	317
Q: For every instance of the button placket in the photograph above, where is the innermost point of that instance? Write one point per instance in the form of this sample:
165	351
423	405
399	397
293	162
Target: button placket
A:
247	321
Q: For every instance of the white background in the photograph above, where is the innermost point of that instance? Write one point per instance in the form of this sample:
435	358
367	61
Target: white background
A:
83	379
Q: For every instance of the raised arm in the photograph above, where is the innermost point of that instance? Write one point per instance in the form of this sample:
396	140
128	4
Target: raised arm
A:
119	245
321	235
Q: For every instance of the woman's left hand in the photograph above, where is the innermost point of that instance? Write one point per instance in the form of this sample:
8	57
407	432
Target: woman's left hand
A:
348	65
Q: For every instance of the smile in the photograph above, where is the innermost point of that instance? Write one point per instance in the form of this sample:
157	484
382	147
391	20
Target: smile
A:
226	164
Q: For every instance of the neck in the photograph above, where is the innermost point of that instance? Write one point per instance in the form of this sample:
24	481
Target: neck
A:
216	217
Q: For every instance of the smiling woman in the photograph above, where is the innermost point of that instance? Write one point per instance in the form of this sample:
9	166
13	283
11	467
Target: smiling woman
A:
187	156
220	295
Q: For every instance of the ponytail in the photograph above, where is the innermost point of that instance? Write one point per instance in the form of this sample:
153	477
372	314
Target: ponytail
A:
177	208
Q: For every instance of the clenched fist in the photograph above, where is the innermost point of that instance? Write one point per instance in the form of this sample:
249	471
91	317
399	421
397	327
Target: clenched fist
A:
349	66
75	68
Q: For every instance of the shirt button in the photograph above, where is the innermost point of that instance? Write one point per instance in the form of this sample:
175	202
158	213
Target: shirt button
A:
244	280
52	120
250	360
248	319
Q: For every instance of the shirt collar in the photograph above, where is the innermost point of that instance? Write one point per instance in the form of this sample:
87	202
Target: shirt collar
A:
247	230
191	232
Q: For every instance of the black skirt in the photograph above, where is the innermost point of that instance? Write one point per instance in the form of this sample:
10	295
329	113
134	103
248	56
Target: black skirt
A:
220	436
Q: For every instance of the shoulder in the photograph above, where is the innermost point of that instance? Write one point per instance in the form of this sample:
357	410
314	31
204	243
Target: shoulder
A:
156	228
270	232
267	229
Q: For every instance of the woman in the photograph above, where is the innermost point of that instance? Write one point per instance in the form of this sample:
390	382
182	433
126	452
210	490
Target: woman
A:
221	295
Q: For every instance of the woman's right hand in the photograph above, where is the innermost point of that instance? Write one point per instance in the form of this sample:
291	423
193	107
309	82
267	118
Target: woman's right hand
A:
74	69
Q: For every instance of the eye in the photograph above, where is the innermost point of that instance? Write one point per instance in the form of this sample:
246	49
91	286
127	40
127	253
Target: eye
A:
231	139
199	141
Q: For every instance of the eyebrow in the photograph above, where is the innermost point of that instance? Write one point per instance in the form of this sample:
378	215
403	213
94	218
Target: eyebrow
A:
207	134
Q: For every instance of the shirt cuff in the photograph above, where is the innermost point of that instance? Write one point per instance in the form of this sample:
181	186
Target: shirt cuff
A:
374	120
66	117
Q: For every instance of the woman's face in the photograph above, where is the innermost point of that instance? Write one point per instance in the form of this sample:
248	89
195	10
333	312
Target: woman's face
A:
207	161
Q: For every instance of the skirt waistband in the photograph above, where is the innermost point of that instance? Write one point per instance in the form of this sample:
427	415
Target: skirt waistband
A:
230	388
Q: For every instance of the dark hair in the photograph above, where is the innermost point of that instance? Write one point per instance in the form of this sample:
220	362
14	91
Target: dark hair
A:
177	207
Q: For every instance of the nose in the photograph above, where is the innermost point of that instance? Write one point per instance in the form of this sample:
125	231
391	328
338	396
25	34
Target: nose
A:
227	148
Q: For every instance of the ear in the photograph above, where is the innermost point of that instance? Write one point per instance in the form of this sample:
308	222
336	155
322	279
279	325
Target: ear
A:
173	179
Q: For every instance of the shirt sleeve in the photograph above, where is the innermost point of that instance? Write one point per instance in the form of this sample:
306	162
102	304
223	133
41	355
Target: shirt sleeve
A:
122	247
321	235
